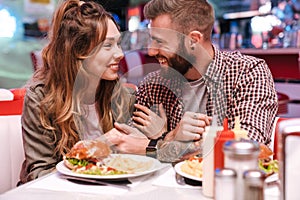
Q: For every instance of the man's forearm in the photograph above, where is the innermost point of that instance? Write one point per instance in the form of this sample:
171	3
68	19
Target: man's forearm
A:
172	151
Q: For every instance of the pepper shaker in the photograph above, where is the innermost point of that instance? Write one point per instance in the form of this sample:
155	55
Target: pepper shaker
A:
254	185
241	156
225	184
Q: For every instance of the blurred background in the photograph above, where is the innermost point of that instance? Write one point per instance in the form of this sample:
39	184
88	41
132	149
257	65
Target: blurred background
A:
269	29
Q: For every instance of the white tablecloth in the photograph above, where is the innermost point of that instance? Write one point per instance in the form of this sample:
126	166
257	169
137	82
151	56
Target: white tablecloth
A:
160	185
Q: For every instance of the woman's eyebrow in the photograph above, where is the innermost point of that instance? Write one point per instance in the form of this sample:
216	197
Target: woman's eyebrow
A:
113	37
110	38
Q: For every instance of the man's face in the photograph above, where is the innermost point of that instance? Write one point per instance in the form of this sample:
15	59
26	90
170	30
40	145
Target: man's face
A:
168	46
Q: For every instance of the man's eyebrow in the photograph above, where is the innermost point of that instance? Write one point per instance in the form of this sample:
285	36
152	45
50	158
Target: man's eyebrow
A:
157	39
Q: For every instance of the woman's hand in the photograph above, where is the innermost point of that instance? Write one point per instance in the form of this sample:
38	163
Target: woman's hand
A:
152	125
127	139
191	126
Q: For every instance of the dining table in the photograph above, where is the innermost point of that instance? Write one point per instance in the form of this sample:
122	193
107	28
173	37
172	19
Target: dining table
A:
160	184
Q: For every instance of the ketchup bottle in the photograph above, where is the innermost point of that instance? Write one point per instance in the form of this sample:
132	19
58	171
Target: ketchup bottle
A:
220	139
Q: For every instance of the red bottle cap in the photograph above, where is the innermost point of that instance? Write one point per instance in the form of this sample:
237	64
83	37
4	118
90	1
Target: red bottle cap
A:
221	138
225	133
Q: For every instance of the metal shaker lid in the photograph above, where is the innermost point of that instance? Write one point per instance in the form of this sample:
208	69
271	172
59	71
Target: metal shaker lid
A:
225	172
242	147
254	174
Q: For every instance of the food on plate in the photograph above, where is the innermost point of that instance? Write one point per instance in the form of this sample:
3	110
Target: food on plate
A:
269	167
86	152
95	158
87	156
265	151
265	162
128	164
193	166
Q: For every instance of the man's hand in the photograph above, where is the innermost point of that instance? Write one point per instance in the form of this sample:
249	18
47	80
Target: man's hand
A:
152	125
191	126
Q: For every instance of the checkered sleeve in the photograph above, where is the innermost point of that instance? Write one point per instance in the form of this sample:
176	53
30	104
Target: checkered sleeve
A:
254	99
154	90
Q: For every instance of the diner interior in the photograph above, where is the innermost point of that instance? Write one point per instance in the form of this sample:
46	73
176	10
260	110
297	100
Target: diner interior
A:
267	29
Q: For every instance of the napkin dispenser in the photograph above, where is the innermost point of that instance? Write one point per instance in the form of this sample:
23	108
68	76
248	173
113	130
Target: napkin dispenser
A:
288	156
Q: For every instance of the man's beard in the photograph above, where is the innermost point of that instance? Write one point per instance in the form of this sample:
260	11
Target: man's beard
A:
180	63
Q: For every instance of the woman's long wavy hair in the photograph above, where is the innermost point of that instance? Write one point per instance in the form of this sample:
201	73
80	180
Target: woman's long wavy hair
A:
78	30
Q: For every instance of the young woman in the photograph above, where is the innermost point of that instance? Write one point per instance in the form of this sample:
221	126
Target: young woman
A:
76	94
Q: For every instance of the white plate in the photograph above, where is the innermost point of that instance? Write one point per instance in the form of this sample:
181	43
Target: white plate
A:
156	165
272	178
178	170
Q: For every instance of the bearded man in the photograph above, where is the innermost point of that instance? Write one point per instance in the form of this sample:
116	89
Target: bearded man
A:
197	81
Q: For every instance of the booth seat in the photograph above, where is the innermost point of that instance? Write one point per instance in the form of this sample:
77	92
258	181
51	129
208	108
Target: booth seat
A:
136	65
11	145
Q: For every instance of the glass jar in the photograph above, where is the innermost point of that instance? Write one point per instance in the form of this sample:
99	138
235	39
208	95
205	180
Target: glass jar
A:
254	185
241	156
225	180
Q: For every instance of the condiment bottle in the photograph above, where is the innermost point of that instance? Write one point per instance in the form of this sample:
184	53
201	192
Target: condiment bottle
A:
238	132
208	158
220	139
254	185
225	181
241	156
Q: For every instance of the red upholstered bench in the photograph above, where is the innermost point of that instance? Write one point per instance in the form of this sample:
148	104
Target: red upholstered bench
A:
11	144
283	101
15	106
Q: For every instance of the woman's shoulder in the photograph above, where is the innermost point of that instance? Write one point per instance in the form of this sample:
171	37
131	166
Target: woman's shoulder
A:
35	89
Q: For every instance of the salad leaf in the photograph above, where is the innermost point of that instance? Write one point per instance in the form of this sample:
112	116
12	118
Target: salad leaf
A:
270	167
78	162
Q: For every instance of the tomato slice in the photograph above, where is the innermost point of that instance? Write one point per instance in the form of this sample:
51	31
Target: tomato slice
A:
111	169
199	159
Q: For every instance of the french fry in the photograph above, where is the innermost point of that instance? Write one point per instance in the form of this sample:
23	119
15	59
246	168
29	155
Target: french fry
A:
193	167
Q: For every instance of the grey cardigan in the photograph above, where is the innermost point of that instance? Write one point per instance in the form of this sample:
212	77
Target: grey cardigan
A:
39	144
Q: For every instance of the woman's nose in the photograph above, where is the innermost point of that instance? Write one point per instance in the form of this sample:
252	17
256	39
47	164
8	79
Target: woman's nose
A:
119	54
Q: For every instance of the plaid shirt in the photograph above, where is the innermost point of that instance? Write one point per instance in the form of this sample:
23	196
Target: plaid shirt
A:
237	85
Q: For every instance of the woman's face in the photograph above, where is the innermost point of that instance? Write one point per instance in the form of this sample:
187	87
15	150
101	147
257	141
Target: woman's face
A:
105	62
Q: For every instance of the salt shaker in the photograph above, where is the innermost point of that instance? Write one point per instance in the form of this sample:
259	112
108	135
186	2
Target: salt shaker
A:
241	156
254	185
225	181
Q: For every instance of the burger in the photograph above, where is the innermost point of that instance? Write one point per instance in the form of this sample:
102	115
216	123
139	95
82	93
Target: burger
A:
265	161
86	154
88	157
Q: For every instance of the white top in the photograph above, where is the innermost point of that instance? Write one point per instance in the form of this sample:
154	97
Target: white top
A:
195	96
93	128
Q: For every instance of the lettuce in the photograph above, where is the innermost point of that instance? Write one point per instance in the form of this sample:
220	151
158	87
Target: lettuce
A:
269	167
81	163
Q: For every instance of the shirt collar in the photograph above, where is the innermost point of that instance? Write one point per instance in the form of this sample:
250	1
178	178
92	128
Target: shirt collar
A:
213	71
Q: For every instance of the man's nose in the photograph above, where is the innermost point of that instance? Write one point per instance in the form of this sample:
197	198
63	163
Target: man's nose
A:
152	51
